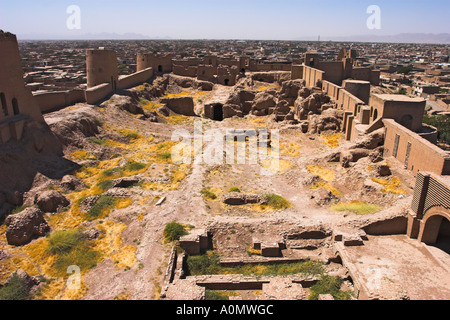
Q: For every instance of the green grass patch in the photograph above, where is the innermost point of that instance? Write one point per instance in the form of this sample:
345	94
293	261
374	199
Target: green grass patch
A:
103	203
64	241
130	134
129	168
135	166
112	172
174	231
276	202
329	285
16	289
208	194
165	156
234	189
71	248
98	141
209	264
357	207
105	184
215	295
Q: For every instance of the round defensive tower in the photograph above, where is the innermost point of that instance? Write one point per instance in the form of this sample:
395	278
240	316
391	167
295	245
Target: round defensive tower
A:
101	67
143	61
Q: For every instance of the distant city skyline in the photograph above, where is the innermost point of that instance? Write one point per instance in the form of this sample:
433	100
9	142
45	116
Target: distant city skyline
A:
231	19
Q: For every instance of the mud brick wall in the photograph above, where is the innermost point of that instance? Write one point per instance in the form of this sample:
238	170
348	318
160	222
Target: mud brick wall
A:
415	152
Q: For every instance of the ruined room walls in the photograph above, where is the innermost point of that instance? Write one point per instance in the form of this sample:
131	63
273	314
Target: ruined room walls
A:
312	76
334	71
416	153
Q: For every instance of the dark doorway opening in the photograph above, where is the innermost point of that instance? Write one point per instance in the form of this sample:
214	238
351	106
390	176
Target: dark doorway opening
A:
4	106
243	71
218	112
15	106
443	238
160	68
226	81
375	114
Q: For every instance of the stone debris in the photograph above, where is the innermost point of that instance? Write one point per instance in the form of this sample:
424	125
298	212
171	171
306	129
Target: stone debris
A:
25	226
237	198
51	201
160	201
30	282
349	237
283	289
72	183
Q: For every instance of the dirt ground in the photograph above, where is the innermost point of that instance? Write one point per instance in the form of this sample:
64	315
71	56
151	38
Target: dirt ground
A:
135	255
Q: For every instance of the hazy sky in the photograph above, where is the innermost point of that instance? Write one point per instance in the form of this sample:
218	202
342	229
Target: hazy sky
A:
227	19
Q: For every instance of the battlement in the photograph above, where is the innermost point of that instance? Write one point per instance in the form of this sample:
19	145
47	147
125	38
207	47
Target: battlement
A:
7	36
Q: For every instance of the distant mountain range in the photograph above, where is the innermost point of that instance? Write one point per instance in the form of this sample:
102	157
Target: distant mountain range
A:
442	38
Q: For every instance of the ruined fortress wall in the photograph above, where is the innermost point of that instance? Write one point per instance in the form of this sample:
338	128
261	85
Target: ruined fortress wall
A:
15	98
360	89
416	153
296	72
52	101
160	64
331	89
312	76
189	71
186	63
361	73
98	93
101	67
206	72
229	63
349	102
374	77
334	71
270	67
135	79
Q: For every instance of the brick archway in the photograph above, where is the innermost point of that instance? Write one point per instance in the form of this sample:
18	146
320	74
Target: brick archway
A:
431	223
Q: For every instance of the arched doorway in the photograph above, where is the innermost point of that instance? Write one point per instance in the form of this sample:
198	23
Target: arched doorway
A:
226	81
443	239
15	106
375	114
435	228
160	68
218	112
4	106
